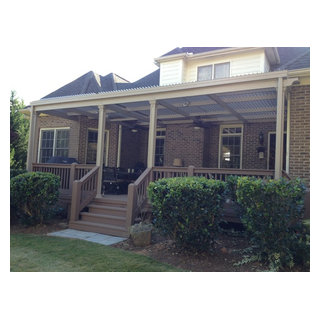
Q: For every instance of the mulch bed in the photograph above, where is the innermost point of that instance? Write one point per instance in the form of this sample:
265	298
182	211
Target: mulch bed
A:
228	250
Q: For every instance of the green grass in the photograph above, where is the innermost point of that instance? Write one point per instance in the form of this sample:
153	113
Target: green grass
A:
43	253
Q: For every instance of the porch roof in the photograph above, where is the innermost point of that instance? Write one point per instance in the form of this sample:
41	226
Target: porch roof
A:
237	99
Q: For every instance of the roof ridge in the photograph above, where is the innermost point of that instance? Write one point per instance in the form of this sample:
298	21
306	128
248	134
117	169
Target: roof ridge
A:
294	59
87	82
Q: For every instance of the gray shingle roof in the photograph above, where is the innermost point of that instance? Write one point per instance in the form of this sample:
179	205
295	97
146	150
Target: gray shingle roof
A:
294	58
192	50
290	58
89	83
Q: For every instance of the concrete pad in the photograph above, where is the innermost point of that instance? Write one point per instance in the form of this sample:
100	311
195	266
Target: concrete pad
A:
87	236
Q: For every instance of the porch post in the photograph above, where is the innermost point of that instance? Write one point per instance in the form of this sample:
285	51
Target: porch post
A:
100	146
279	131
152	133
32	136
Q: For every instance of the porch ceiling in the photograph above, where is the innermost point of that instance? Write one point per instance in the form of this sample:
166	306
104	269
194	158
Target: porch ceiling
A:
242	106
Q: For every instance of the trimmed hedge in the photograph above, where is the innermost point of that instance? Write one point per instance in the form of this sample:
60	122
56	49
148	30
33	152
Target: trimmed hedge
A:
33	194
188	210
273	218
16	172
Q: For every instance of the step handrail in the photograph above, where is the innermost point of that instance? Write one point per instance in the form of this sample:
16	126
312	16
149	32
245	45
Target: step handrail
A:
137	195
83	192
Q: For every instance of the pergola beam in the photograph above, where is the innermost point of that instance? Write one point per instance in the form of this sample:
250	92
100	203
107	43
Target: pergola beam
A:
124	111
221	103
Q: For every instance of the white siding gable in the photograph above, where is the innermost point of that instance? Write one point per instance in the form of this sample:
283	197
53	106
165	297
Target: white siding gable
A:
185	70
171	72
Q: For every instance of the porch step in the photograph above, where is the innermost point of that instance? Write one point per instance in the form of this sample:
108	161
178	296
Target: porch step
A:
98	208
103	218
110	202
103	228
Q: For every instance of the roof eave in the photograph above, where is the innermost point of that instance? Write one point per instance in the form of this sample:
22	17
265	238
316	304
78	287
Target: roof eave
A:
144	94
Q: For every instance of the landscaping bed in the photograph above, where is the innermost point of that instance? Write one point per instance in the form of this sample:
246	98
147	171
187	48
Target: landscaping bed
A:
228	251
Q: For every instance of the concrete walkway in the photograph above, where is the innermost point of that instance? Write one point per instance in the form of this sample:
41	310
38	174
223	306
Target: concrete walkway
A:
88	236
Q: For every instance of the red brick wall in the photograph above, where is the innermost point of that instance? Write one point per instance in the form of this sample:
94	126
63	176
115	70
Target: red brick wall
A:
250	156
78	135
300	133
55	122
134	147
184	142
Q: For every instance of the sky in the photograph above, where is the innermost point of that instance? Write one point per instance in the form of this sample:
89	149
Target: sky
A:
51	43
47	44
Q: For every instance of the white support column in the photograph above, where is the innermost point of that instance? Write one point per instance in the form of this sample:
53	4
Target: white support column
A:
279	130
119	145
288	133
32	136
100	146
152	134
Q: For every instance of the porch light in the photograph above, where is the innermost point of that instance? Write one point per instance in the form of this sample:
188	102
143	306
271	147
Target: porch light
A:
134	130
261	138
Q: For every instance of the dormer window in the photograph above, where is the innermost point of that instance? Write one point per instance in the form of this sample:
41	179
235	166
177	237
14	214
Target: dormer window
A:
204	73
222	70
216	71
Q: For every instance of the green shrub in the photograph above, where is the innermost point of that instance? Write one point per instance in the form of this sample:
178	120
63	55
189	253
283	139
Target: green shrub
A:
15	172
273	219
188	210
33	194
231	193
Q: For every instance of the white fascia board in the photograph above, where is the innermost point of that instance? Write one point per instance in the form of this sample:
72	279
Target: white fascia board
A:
227	51
246	82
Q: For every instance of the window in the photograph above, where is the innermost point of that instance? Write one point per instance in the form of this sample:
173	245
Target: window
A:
92	143
53	142
222	70
230	146
159	152
204	73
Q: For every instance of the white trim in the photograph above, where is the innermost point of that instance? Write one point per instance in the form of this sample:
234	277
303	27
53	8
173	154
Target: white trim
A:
222	126
119	146
54	140
106	131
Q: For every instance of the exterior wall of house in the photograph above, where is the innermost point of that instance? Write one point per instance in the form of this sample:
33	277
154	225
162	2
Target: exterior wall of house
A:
56	122
250	156
78	136
134	148
300	132
250	159
171	72
185	143
178	71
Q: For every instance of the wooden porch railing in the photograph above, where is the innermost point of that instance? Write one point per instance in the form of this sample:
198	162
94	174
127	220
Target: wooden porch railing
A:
83	191
137	191
137	195
67	173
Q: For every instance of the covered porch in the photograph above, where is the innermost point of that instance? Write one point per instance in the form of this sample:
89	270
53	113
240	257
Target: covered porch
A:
211	128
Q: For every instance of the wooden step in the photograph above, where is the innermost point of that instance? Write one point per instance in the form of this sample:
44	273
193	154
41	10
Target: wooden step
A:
99	228
110	202
98	208
103	218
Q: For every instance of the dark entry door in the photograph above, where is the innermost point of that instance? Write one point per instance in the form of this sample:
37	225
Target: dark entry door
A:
272	150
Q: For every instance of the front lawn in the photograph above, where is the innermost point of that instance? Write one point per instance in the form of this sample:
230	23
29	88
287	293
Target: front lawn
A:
31	252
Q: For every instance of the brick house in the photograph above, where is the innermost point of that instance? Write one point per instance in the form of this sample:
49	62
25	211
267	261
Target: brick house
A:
208	111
